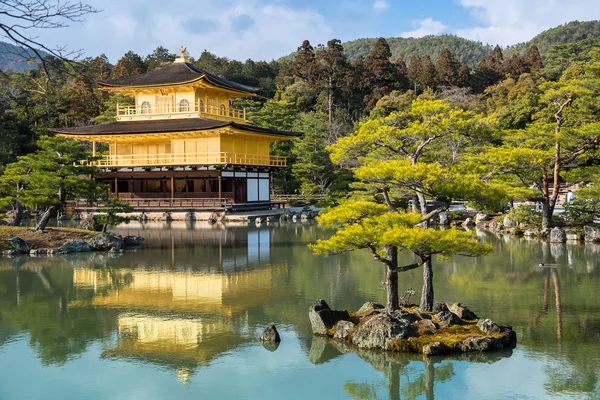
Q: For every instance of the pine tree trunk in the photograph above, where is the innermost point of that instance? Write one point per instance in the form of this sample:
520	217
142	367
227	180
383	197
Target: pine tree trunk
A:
391	280
427	292
330	101
391	289
18	213
41	225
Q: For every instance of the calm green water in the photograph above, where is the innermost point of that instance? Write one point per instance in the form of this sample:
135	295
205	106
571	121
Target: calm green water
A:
179	319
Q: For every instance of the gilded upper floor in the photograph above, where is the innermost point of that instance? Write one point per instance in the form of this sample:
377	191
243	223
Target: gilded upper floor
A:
179	90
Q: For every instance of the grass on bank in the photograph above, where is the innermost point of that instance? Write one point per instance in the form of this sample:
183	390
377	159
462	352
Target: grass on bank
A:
50	238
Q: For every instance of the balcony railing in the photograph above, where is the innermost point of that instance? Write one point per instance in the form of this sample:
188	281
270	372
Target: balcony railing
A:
198	109
183	159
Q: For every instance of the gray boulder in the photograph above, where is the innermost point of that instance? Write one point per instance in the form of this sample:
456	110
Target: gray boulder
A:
380	330
488	326
478	343
592	233
270	334
75	246
369	308
323	318
425	327
106	241
343	329
19	245
558	235
461	310
479	218
508	223
447	318
132	241
402	314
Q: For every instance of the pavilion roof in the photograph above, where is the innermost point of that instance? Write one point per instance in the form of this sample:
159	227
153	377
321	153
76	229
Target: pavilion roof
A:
166	126
176	73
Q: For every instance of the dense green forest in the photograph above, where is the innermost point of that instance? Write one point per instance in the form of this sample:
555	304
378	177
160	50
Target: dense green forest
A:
330	95
470	52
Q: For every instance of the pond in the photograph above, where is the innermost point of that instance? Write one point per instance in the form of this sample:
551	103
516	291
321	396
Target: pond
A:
180	318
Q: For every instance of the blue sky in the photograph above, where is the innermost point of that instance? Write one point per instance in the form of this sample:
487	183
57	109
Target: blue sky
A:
268	29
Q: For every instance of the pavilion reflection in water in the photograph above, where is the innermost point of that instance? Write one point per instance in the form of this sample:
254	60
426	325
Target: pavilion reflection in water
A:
184	318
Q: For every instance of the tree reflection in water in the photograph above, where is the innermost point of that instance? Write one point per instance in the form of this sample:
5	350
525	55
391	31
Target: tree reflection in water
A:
407	375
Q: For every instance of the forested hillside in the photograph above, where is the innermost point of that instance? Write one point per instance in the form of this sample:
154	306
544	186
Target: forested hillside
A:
470	52
467	51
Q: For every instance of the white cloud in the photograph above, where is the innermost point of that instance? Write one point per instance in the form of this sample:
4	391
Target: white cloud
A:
380	4
425	27
511	21
142	25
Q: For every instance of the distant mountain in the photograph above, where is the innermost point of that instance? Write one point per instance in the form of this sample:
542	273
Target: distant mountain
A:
471	52
14	58
573	31
467	51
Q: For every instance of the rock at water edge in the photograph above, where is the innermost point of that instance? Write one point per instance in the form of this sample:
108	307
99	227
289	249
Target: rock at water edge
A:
488	326
19	245
558	235
323	318
343	329
75	246
132	241
106	241
461	310
378	331
270	334
369	308
591	233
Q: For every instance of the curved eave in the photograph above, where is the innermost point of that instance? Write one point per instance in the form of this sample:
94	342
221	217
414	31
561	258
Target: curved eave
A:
110	135
178	84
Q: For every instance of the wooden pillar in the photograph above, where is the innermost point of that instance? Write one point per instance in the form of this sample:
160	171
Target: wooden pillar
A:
94	148
172	188
220	186
116	187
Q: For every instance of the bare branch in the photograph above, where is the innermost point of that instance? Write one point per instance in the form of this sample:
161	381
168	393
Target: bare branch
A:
21	19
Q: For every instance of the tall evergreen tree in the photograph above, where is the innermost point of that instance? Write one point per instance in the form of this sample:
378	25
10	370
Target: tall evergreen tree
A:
514	66
402	74
447	68
304	65
158	57
427	74
483	76
414	66
128	65
464	77
533	59
495	60
381	74
334	70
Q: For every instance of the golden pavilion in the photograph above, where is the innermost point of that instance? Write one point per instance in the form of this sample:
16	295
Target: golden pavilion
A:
183	143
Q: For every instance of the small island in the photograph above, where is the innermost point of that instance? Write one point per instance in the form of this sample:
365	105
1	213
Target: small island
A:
450	327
